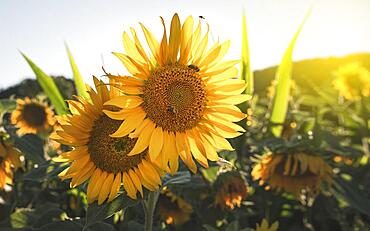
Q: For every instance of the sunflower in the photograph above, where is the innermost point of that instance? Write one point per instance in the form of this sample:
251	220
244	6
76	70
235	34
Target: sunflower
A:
296	173
231	190
9	159
173	209
98	158
180	100
32	116
352	81
264	226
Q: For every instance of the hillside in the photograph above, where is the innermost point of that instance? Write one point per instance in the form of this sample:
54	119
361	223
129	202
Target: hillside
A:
318	71
29	87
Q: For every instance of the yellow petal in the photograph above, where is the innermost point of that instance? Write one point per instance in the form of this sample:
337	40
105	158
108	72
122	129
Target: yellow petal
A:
136	181
127	102
129	124
186	40
152	41
164	46
129	186
106	188
143	140
115	187
175	36
156	143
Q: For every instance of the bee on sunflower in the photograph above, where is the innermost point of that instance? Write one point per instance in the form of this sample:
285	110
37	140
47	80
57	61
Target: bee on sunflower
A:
96	157
180	100
173	209
231	190
9	160
300	173
352	81
32	116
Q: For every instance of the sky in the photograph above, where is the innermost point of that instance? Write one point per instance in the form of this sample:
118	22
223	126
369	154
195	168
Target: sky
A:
93	29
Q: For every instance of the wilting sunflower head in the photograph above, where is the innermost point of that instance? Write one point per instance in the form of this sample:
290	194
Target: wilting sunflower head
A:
9	159
299	173
180	99
32	116
264	226
173	209
352	81
98	158
231	190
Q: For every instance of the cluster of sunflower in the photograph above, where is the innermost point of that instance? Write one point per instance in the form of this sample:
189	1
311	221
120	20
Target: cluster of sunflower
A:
178	110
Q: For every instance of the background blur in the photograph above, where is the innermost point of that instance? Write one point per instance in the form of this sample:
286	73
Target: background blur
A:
93	30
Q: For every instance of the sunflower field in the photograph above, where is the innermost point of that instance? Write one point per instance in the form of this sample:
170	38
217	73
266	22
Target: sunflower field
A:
187	140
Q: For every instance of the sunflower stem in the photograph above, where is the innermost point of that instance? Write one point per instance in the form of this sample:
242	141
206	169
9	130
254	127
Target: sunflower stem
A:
149	207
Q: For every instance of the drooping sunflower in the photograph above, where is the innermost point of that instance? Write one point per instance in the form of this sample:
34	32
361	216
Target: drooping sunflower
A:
264	226
9	160
98	158
352	81
180	100
297	173
32	116
231	190
173	209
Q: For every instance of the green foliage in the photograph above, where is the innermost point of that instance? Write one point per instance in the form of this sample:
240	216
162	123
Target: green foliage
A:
7	105
49	87
246	70
78	79
283	78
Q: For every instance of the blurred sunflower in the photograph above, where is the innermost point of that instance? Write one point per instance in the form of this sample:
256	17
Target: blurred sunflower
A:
231	190
173	209
264	226
181	100
32	116
296	173
9	159
96	156
352	81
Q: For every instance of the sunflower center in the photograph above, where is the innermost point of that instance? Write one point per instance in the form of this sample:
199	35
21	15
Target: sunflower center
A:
174	97
110	154
34	114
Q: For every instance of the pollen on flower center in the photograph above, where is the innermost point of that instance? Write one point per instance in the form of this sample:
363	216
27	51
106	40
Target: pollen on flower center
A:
110	154
174	97
34	114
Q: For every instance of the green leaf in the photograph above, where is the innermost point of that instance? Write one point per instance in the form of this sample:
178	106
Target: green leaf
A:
101	226
209	228
180	177
78	79
22	218
49	87
283	77
246	71
44	172
96	213
350	192
61	226
7	105
31	146
233	226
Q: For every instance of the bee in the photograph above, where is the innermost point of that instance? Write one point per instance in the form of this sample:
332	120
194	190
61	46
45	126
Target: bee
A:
201	17
194	67
171	109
